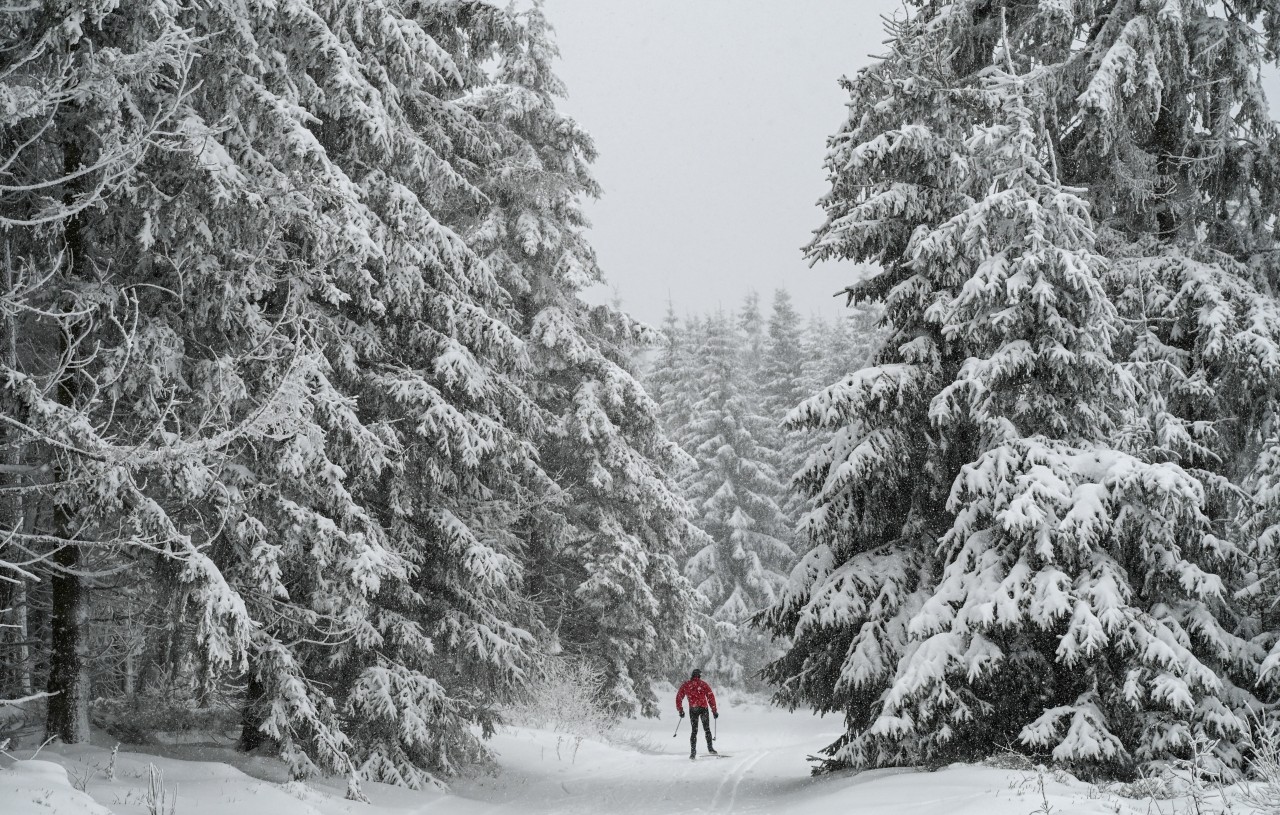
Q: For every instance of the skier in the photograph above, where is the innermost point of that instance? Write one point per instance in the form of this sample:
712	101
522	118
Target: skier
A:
700	697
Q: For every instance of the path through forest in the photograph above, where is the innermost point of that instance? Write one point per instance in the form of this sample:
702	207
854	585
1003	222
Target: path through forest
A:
642	771
649	771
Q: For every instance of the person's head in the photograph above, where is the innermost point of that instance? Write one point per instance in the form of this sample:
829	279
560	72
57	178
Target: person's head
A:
697	673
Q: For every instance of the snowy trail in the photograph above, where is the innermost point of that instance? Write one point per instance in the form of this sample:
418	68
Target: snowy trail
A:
645	772
764	767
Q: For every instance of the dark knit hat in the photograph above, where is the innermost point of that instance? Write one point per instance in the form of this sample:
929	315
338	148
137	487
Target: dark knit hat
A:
697	673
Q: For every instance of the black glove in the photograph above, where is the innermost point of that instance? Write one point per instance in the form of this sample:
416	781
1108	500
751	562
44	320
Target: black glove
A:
682	714
717	715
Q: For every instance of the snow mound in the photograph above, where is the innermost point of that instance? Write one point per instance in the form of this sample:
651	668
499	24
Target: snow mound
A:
41	788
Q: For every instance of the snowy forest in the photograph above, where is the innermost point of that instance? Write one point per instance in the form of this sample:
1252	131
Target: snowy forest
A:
303	413
310	428
724	384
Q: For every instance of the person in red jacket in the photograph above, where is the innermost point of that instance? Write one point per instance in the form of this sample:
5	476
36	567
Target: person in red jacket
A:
701	697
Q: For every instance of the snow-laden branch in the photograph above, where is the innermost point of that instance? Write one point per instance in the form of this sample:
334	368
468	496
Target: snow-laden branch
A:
32	698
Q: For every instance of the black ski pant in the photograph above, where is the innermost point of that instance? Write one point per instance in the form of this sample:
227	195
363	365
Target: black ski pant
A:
696	713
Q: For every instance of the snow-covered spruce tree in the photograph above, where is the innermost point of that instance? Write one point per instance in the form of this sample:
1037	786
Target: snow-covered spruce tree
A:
782	385
104	452
833	350
829	351
782	361
1188	180
1257	595
993	560
422	345
270	261
1185	181
753	329
735	490
600	540
209	377
669	376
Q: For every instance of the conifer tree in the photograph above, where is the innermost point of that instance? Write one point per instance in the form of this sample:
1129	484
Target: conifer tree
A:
1001	551
601	544
752	327
670	376
735	490
254	256
781	376
368	543
1260	522
784	384
105	445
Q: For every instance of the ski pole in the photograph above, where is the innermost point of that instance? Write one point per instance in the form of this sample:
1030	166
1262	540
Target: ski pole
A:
673	735
717	727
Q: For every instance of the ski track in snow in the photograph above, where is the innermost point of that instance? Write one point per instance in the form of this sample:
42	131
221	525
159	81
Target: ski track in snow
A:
734	781
767	764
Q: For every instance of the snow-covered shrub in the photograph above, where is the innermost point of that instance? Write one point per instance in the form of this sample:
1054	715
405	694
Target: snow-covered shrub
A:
155	718
569	695
1262	791
637	741
159	800
1197	784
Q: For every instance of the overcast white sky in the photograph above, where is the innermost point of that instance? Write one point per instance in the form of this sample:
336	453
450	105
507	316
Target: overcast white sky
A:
711	118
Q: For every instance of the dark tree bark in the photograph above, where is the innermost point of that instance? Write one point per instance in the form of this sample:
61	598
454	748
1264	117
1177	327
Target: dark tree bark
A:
68	709
253	715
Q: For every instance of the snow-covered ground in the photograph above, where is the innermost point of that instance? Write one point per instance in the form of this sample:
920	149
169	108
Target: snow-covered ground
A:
643	770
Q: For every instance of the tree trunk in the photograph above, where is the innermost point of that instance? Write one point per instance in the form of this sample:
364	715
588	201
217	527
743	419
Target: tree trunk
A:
24	650
68	712
253	715
130	676
15	516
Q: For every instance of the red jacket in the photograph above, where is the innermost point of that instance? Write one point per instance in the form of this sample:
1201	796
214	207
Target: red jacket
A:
699	693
